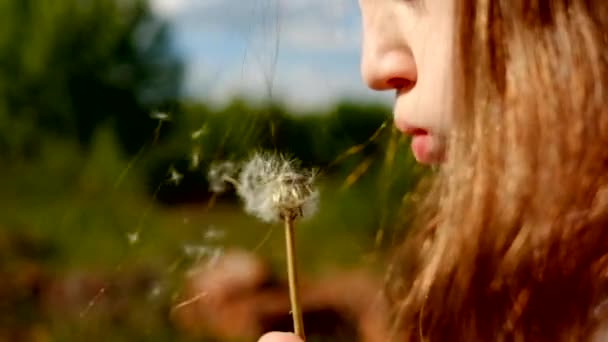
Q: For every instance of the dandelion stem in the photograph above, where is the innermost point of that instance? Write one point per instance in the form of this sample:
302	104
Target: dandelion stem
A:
296	310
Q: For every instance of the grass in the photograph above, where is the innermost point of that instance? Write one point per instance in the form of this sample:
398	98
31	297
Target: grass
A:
79	219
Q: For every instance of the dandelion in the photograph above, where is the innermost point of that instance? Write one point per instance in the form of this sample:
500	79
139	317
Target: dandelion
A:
220	175
274	189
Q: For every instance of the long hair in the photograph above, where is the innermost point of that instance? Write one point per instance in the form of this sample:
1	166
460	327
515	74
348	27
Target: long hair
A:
517	247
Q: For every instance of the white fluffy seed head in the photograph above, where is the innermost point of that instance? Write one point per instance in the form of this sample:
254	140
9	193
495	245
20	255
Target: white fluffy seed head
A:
273	188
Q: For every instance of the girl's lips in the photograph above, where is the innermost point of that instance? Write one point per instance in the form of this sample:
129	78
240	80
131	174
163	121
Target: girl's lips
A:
427	148
423	148
410	130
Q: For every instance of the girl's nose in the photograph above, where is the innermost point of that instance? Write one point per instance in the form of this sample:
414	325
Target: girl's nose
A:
387	61
388	70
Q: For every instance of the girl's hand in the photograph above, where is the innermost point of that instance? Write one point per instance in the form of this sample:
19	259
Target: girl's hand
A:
280	337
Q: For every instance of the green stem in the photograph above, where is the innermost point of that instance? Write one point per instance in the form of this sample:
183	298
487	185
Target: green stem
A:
296	310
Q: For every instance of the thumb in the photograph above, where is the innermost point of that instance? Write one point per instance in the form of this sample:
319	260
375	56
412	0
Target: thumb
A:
280	337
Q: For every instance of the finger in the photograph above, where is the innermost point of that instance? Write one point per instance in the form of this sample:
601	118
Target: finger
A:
280	337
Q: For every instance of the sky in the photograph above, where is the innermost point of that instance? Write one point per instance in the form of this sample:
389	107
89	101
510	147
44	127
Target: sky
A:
304	53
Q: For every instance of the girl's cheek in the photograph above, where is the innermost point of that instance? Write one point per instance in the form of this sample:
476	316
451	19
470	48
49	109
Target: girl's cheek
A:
436	69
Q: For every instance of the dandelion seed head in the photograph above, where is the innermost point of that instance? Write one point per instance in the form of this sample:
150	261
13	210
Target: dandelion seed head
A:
261	169
220	174
295	194
273	188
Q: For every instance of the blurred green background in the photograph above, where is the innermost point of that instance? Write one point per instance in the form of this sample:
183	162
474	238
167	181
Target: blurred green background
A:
104	201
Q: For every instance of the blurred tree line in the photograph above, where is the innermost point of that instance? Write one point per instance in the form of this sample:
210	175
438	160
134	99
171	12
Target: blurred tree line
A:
336	140
67	66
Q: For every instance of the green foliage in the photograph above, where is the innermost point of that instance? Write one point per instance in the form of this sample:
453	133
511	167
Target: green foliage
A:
67	66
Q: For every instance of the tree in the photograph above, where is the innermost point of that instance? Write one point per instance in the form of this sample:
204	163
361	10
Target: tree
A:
66	66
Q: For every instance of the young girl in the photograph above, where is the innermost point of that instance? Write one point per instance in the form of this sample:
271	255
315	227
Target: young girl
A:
511	95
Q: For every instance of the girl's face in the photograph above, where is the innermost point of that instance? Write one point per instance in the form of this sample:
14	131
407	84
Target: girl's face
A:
407	47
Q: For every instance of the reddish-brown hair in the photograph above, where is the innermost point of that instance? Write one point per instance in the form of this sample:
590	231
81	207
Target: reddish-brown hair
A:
517	247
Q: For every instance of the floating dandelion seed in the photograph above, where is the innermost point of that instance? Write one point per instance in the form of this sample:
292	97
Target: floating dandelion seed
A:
199	133
160	116
196	251
215	256
155	292
220	174
174	176
133	237
199	252
195	158
213	234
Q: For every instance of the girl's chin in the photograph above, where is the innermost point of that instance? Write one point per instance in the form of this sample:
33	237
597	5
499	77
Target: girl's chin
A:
427	149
